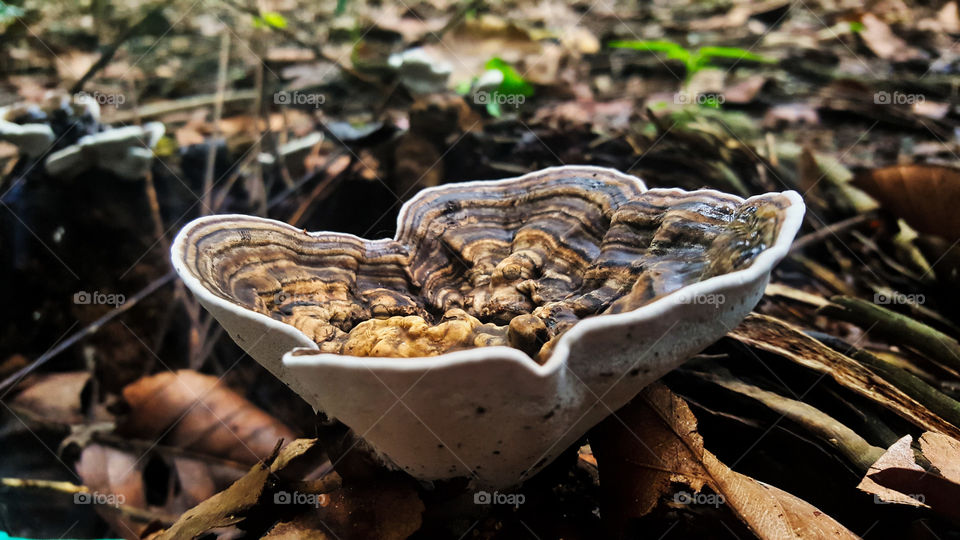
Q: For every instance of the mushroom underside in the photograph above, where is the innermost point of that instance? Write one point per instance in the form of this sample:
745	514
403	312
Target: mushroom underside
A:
476	266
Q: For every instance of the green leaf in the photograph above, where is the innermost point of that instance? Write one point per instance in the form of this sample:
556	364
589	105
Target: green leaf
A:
513	82
732	52
668	47
710	103
9	13
463	87
856	27
672	51
270	19
341	7
693	61
493	109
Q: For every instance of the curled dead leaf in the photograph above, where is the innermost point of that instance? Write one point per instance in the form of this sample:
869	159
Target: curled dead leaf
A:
199	413
926	196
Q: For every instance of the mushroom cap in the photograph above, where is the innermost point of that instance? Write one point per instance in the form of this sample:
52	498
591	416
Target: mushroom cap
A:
22	124
32	139
125	151
420	72
623	283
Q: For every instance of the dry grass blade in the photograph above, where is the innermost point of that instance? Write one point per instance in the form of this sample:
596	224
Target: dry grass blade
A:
778	337
935	344
857	450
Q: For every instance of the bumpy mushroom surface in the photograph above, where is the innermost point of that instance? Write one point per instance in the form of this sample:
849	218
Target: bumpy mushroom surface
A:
484	264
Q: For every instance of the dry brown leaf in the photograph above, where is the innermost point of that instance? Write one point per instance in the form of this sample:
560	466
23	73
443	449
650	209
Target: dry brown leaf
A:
947	20
778	337
468	47
653	442
745	91
202	415
114	478
789	114
896	476
54	397
225	508
14	362
231	505
926	196
943	453
391	509
898	455
737	16
884	43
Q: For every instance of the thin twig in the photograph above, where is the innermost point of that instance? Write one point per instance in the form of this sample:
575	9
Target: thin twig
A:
112	49
834	229
217	114
153	110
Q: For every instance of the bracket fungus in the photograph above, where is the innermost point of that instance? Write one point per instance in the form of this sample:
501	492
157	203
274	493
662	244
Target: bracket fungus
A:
28	126
505	318
126	152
